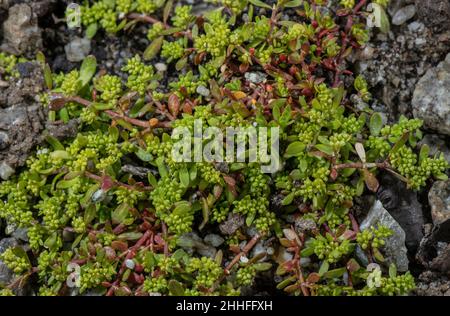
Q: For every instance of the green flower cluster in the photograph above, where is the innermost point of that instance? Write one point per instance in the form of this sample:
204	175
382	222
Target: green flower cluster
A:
182	16
110	88
139	75
206	271
91	275
246	275
330	249
7	66
172	50
17	263
418	170
373	237
216	37
116	197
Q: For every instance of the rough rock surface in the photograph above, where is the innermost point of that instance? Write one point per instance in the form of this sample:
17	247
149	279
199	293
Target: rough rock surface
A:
77	49
442	262
439	199
394	250
22	117
404	207
6	275
20	31
430	101
434	13
393	63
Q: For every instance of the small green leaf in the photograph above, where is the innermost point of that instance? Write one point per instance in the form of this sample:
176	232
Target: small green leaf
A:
182	208
250	218
260	3
144	155
327	149
130	236
152	180
88	69
392	270
48	77
424	152
294	149
181	63
40	57
176	288
19	252
90	213
262	266
400	143
154	48
167	10
51	242
324	268
288	199
375	124
91	30
120	213
293	4
377	254
55	143
336	273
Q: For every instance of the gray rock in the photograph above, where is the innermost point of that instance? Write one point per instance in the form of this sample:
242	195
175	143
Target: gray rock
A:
78	49
213	240
6	274
420	41
161	67
20	31
21	116
404	207
439	199
303	225
5	171
192	242
416	26
404	14
233	223
4	140
21	234
255	77
202	90
442	262
430	101
395	250
7	243
434	13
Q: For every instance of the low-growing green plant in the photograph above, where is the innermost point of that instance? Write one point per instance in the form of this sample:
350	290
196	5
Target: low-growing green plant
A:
82	204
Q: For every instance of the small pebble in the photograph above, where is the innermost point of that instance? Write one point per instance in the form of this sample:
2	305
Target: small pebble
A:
214	240
255	77
77	49
6	171
202	90
4	140
161	67
130	264
404	14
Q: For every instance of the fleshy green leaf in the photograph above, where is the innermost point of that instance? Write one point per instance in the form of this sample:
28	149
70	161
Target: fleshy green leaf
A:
153	49
260	3
375	124
88	69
